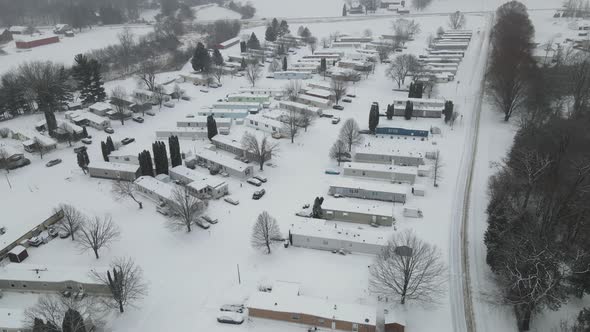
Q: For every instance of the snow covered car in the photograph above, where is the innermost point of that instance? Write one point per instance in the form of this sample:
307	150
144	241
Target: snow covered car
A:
209	219
150	113
169	104
63	234
86	141
231	201
351	95
138	119
204	91
53	162
230	318
52	231
202	223
239	308
79	149
304	213
347	100
335	120
35	241
260	178
332	171
258	194
338	107
109	130
254	182
127	140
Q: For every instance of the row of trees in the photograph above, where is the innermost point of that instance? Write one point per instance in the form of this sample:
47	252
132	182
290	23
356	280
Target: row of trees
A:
276	30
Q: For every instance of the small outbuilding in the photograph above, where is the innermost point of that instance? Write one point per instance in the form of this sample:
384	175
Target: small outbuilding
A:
18	254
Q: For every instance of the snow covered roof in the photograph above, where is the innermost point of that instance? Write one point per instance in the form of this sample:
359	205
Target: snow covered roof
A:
385	148
17	29
202	119
319	93
101	106
232	104
223	111
32	136
199	179
33	37
280	287
313	99
17	250
108	166
254	90
264	120
162	189
12	318
34	272
381	168
84	115
228	140
247	95
9	151
378	186
358	206
286	104
222	159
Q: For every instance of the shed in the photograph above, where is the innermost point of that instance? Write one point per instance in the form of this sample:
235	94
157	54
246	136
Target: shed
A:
418	190
18	254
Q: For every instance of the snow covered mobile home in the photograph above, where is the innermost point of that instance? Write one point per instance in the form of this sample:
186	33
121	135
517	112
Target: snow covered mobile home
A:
379	191
224	163
398	174
347	210
113	171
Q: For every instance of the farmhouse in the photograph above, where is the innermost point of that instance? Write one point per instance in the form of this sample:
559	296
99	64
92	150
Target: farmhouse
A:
292	75
200	121
234	146
368	190
273	92
300	108
315	234
392	173
39	278
285	303
188	133
423	108
248	98
314	101
113	171
225	113
224	163
200	185
34	40
83	118
359	212
262	123
385	154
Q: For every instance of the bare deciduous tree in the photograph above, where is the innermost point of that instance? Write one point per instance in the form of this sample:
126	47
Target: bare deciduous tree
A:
292	124
401	66
185	208
146	75
405	29
305	120
119	94
409	269
350	134
263	150
293	89
52	310
72	220
253	73
265	232
312	42
456	20
125	283
338	151
338	88
159	95
98	233
217	73
127	44
126	189
437	169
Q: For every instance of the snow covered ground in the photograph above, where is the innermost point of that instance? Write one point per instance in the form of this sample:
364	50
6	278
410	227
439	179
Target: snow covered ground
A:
214	12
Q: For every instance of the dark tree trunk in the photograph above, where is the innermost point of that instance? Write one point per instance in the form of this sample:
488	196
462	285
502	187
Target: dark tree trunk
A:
96	253
523	317
121	309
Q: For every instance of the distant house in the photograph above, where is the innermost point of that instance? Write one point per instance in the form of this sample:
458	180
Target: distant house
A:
34	40
224	113
18	254
346	210
399	174
5	36
84	118
113	171
200	185
292	75
40	278
100	108
221	161
284	302
233	145
375	190
300	108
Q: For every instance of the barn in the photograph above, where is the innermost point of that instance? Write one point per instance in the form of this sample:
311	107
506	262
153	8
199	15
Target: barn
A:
26	41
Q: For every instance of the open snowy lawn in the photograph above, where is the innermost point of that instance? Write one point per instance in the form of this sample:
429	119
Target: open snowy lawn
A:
214	12
64	51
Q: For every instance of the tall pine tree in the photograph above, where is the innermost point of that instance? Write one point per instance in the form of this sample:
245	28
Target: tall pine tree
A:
373	118
105	151
409	110
201	60
270	34
285	63
217	58
344	13
97	85
73	322
110	145
283	29
175	155
82	73
211	127
253	42
243	47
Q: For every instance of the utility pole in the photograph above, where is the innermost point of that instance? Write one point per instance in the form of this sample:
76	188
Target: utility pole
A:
239	278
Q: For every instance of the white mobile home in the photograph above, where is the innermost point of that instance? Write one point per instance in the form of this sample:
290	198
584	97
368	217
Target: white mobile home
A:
314	101
100	108
303	67
318	85
262	123
224	113
200	121
320	93
388	155
248	98
356	65
356	211
292	75
317	235
227	105
224	162
84	118
196	79
113	171
300	108
146	96
273	92
424	108
200	185
234	146
187	133
159	191
375	190
399	174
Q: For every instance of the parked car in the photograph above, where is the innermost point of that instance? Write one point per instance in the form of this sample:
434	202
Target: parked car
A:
231	201
350	95
204	91
163	210
53	162
209	219
304	213
109	130
35	241
347	100
332	171
150	113
86	141
230	318
326	115
224	174
276	135
52	231
169	104
214	85
258	194
270	76
338	107
79	149
239	308
138	119
260	178
335	120
63	234
127	140
187	98
202	223
254	182
337	196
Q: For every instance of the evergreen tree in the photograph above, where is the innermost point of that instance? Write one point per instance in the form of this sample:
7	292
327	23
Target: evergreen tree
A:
373	118
411	90
82	73
409	110
389	112
110	144
86	158
243	64
145	163
253	42
217	58
82	161
201	60
175	156
211	127
164	157
12	94
448	111
97	85
418	90
283	29
316	211
344	13
323	66
51	121
275	26
270	34
284	63
73	322
243	47
105	151
84	132
305	34
38	325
